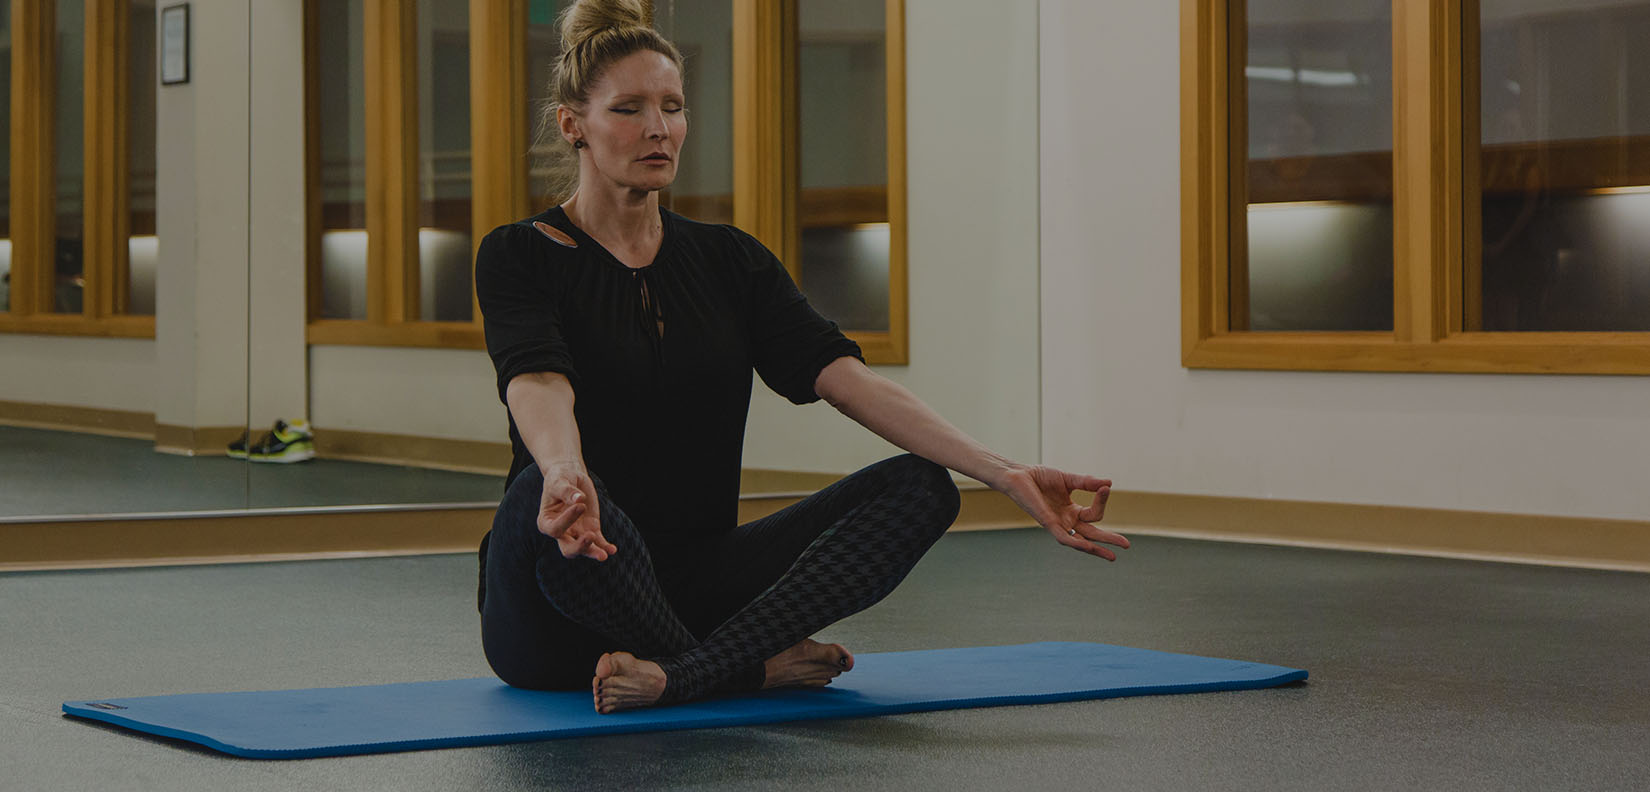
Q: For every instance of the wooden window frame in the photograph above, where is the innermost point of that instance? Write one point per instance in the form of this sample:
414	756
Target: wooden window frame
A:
765	169
1435	183
105	215
767	199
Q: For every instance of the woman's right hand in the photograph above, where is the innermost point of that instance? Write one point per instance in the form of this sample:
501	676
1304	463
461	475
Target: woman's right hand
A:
570	513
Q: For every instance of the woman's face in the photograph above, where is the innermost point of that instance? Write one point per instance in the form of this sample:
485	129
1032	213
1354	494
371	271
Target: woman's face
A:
634	123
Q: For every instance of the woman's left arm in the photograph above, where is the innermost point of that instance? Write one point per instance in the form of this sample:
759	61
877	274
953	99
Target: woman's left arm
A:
898	416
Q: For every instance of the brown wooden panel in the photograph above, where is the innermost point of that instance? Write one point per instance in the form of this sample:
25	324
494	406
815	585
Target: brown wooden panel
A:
33	155
107	224
349	332
391	85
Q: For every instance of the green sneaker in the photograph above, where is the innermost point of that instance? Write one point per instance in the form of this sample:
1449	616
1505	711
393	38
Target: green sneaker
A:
287	442
237	449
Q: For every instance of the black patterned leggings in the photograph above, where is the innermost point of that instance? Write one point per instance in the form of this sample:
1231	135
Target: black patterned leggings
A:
712	621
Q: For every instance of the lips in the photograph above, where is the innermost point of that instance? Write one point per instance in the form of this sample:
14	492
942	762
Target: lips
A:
657	157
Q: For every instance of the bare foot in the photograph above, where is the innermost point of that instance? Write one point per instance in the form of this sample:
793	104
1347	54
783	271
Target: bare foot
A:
807	664
623	682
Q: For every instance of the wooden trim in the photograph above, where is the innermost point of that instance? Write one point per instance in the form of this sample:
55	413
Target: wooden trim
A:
1465	353
391	75
1203	171
196	440
1232	307
107	106
436	453
78	325
764	135
1426	166
352	332
498	119
33	157
314	221
899	302
90	420
217	538
1517	538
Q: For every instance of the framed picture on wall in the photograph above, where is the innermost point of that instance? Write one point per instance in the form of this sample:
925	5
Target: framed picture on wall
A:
174	44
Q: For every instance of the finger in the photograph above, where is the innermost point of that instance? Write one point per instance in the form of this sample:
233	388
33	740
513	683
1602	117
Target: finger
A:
556	525
1078	543
1095	533
1096	511
1088	483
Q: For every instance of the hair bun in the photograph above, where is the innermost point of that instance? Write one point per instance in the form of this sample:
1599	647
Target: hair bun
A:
587	18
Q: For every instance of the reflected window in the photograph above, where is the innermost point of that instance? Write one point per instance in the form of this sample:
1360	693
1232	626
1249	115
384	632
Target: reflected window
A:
843	125
142	245
1317	236
69	266
1564	204
543	48
703	31
341	109
444	160
5	159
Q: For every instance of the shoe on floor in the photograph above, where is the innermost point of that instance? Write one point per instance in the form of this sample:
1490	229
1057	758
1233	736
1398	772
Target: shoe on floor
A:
287	442
237	449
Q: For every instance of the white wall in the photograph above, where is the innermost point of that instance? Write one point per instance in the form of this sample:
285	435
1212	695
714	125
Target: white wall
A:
100	373
1117	402
973	274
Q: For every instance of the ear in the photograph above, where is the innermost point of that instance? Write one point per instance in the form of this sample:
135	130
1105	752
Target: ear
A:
568	122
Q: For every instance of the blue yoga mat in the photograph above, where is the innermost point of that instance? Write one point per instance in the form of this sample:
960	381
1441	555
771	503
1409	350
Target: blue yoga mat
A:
294	724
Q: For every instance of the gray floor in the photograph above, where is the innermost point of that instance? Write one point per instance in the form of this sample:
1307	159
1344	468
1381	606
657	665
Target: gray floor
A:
1426	674
55	473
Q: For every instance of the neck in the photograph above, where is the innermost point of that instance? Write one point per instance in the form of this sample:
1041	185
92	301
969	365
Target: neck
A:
614	214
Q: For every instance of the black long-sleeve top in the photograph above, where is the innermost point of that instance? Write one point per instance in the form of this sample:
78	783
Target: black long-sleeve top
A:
660	357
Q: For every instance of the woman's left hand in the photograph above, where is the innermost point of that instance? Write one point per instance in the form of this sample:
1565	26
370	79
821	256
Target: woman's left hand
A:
1045	494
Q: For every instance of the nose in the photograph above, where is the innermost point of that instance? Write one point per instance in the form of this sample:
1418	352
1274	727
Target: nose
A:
657	129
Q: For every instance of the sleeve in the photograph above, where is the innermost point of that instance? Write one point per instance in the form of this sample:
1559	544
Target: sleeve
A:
790	341
519	312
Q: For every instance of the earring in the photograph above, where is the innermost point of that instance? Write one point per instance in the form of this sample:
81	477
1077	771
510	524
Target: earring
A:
578	144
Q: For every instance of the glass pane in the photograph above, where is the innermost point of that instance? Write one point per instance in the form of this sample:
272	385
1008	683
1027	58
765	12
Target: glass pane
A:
342	119
703	31
143	247
69	283
1564	166
444	160
543	47
1318	84
5	159
842	71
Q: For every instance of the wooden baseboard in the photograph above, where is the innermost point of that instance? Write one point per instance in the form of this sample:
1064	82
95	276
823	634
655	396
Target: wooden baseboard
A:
196	440
92	420
1486	536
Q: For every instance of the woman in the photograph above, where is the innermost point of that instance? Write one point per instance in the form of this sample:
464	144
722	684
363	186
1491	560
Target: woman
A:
624	338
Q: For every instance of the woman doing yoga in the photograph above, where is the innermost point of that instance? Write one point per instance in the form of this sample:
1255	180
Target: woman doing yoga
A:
624	337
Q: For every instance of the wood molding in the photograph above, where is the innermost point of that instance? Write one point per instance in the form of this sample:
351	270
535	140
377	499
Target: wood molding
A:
391	86
216	538
123	326
196	440
90	420
33	157
463	456
1464	353
1203	172
765	157
1231	290
314	191
899	227
1518	538
353	332
498	117
1426	166
107	107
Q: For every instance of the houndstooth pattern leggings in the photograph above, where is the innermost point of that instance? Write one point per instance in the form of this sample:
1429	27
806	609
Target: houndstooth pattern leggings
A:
712	619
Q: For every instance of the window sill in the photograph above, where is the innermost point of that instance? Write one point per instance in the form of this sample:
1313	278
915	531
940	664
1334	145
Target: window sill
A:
1461	353
79	325
435	335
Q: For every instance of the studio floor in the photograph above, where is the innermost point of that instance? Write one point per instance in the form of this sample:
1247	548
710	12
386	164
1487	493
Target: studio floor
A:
1426	674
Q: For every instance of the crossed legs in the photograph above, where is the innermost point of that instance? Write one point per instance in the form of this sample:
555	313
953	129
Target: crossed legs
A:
745	606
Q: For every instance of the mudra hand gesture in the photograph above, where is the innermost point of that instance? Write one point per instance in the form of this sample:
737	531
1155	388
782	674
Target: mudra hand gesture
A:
1045	494
570	513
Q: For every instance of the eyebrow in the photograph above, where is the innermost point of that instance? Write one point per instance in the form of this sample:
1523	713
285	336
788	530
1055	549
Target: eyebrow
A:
633	97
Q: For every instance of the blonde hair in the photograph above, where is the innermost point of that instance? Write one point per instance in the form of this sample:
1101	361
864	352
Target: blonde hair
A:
594	35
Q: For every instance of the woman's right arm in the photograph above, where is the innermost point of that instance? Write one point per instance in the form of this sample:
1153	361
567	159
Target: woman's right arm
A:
569	511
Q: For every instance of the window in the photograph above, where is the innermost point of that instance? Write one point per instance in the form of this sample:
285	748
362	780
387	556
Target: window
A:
422	115
78	258
1408	185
